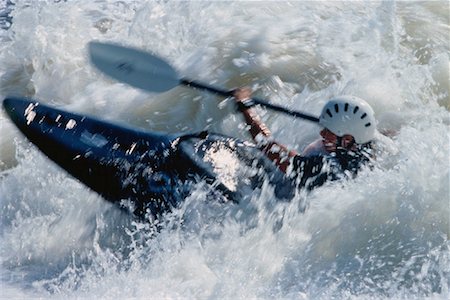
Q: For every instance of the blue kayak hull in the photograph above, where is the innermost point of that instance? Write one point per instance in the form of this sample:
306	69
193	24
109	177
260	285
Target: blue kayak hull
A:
151	172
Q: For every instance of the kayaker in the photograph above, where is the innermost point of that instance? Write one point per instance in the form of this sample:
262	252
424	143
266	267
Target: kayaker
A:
346	142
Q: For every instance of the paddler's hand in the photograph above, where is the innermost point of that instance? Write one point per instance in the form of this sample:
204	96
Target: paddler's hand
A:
243	99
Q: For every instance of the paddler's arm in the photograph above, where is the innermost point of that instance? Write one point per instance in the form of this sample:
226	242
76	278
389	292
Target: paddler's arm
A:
275	151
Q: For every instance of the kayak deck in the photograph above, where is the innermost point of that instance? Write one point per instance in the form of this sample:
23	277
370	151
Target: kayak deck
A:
151	170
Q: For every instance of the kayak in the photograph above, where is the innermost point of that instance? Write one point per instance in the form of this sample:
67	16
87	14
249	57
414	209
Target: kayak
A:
145	172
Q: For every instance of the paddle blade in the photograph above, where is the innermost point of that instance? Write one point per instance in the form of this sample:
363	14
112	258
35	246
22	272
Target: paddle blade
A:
134	67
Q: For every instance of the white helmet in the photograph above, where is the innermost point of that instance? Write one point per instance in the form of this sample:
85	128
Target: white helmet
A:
349	115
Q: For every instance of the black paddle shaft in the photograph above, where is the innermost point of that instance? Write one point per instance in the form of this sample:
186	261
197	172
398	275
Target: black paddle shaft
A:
255	101
151	73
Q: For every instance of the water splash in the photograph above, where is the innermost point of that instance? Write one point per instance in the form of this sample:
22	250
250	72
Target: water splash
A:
383	235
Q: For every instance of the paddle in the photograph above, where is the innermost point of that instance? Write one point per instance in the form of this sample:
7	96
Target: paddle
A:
151	73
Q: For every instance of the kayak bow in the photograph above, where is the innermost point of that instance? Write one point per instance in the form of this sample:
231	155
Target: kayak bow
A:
154	171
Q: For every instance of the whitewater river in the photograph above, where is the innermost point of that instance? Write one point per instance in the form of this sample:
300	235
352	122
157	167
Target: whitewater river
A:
384	235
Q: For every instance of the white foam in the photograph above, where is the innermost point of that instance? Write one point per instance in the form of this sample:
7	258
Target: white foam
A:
382	235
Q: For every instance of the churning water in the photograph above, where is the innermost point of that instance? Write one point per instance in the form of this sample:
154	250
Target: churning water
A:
382	236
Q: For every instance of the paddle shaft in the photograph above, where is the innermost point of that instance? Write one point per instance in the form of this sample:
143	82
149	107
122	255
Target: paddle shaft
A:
151	73
224	93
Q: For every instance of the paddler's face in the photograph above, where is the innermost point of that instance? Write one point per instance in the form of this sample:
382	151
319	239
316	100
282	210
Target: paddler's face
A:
330	141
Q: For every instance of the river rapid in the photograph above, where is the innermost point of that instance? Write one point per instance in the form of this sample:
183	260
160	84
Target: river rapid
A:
384	235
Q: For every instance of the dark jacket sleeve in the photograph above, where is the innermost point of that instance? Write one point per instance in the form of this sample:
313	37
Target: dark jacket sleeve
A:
314	171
